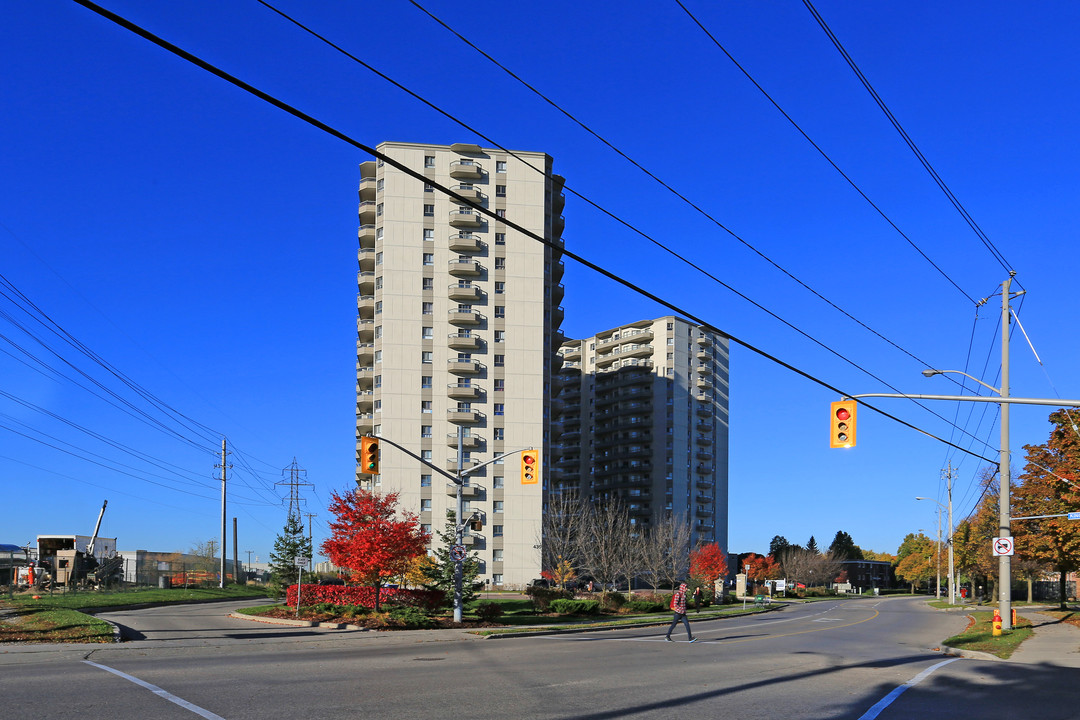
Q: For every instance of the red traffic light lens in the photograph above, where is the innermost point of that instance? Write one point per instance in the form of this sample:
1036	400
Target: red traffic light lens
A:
528	459
843	414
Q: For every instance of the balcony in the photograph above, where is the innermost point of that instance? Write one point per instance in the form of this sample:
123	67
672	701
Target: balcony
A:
365	282
365	401
557	271
558	202
451	464
465	242
464	341
703	369
703	512
468	442
464	417
465	292
367	212
558	224
704	411
459	366
704	469
557	315
703	341
703	440
703	484
366	236
365	330
365	352
366	258
704	398
466	169
463	392
702	355
469	192
368	188
365	306
570	436
557	293
703	456
365	376
468	491
464	267
703	384
465	218
465	317
365	424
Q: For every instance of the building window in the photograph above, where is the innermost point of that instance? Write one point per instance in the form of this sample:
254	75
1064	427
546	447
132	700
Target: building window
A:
497	481
500	360
496	530
500	336
429	210
426	308
500	385
500	263
500	213
496	579
378	258
428	187
429	161
378	406
380	184
425	481
425	357
378	307
425	431
500	238
500	287
426	527
425	406
378	356
378	381
500	311
499	432
427	284
378	233
498	506
429	258
425	455
425	381
427	333
429	235
500	166
378	283
500	409
425	505
500	191
497	555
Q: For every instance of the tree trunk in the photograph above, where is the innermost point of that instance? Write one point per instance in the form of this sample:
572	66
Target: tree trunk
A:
1031	585
1061	588
377	596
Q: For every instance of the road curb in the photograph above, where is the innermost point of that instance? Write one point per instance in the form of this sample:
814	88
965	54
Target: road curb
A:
296	623
970	654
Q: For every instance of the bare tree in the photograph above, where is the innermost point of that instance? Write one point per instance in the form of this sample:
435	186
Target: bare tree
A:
607	538
563	528
810	568
666	551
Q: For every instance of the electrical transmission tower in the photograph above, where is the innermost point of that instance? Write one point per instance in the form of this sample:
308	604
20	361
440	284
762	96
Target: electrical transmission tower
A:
296	478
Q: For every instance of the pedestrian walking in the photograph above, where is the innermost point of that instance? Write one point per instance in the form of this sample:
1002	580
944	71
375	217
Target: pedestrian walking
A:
678	605
697	599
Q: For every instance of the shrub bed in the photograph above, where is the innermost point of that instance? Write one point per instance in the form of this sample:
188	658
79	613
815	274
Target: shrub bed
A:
563	606
542	597
365	596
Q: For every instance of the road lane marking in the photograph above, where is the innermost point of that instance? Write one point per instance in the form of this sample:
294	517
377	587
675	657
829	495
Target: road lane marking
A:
158	691
888	699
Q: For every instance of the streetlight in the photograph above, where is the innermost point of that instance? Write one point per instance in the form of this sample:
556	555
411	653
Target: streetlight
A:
952	578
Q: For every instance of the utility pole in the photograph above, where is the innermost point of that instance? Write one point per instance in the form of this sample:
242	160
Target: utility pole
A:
247	572
1005	561
224	538
235	555
952	568
311	558
296	480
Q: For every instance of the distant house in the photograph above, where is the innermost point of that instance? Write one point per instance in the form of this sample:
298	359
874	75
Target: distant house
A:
11	558
863	575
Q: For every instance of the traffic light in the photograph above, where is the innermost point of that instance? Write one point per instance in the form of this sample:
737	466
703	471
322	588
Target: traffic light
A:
369	455
842	424
475	523
530	467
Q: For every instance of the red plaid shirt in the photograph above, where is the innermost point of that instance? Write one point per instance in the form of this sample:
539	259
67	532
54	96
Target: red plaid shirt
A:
678	601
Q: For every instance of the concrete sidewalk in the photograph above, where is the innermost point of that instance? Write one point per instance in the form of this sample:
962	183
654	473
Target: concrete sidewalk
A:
1054	642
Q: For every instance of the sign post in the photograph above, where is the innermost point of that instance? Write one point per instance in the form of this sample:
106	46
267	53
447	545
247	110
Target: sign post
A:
301	562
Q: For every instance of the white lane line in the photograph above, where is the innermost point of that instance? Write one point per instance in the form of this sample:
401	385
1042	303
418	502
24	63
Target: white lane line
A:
159	692
888	699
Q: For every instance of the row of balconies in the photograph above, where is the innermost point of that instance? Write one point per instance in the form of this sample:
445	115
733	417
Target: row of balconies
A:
623	336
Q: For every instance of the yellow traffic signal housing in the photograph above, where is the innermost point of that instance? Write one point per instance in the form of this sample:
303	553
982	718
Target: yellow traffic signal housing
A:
476	524
369	455
530	467
842	424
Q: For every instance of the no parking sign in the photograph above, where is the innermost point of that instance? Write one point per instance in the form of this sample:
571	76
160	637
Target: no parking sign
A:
1003	546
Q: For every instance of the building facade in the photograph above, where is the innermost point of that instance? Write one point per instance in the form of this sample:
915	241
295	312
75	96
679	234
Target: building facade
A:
642	415
457	333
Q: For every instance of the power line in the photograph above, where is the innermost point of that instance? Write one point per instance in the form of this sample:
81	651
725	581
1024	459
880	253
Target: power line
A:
295	112
908	141
824	154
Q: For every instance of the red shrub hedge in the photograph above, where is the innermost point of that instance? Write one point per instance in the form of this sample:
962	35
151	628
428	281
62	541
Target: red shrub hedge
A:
365	596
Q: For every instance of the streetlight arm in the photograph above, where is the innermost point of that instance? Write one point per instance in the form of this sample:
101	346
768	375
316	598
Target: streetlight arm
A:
932	373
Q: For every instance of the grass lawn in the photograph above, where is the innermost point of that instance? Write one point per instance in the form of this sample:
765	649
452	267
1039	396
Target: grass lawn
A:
979	636
56	617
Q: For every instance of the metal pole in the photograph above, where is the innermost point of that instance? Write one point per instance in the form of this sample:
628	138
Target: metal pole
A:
1005	562
937	592
458	525
952	567
235	555
221	582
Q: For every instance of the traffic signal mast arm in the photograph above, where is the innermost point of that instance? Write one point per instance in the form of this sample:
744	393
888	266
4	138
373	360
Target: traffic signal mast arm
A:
975	398
449	475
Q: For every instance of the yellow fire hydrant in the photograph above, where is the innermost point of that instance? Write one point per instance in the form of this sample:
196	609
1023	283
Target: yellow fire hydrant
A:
997	622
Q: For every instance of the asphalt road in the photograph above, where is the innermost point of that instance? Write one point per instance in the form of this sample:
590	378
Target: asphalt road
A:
836	659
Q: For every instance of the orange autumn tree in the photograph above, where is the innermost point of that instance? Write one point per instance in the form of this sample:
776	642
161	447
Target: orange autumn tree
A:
761	568
370	540
708	563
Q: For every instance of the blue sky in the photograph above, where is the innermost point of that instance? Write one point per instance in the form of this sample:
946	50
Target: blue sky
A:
203	242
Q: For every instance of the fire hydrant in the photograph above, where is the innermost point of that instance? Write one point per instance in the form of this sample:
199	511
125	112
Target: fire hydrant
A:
997	622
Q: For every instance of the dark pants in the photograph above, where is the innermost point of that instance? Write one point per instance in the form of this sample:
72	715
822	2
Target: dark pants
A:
675	621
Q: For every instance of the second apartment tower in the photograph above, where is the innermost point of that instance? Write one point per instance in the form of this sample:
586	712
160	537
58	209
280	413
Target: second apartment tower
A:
458	324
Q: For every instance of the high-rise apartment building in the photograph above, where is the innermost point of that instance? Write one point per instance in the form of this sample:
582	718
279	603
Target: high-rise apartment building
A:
642	415
458	327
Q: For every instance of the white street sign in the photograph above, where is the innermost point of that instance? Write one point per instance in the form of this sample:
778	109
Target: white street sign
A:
1074	516
301	561
1003	546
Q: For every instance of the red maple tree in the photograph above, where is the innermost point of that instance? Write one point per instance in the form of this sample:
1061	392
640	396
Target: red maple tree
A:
370	540
708	563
